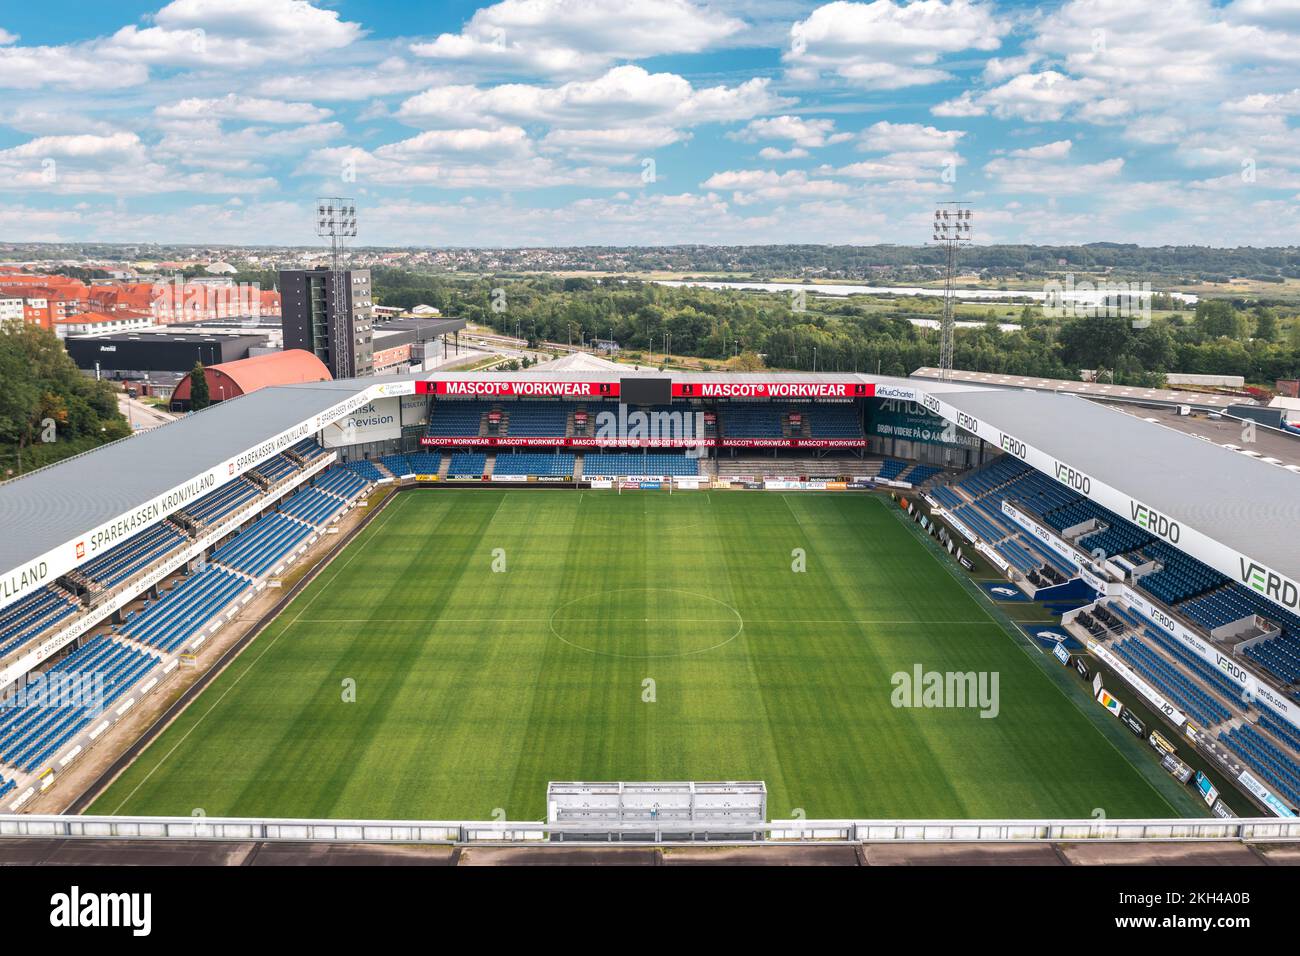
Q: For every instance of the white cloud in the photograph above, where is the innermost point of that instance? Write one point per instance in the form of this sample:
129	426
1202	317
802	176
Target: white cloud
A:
392	75
624	96
504	141
64	68
893	137
964	105
116	164
80	146
888	45
1288	103
450	168
231	33
44	120
234	106
751	186
205	144
808	134
571	37
1037	176
618	145
1039	97
1057	150
998	69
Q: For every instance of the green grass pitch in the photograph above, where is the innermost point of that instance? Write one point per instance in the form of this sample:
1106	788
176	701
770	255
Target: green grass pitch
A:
474	687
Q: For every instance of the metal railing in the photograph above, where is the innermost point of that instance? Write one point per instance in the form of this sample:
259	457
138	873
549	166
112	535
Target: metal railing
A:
217	829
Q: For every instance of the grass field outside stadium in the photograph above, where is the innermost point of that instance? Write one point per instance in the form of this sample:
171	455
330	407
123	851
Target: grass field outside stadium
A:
470	646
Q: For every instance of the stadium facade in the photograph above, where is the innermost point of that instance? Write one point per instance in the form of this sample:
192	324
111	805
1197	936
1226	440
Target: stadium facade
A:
221	500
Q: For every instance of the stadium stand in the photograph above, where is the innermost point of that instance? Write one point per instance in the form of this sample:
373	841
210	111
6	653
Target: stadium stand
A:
757	465
537	419
276	468
1202	669
751	420
365	469
833	421
542	465
216	505
184	610
467	463
424	463
312	507
650	464
1183	692
306	451
1180	577
1232	602
947	497
342	482
920	473
1035	491
134	554
456	418
260	547
891	468
1283	731
34	614
399	465
1267	758
32	730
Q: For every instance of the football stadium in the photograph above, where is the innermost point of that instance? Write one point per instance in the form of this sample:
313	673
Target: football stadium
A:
587	602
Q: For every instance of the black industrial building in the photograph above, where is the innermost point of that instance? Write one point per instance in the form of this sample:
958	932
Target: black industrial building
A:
131	354
334	323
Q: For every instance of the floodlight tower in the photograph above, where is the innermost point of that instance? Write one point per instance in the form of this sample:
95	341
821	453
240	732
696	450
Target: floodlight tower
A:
952	227
336	220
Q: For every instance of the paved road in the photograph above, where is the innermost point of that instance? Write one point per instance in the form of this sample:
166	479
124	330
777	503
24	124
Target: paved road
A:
140	415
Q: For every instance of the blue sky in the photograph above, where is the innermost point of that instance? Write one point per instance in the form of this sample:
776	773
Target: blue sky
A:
556	122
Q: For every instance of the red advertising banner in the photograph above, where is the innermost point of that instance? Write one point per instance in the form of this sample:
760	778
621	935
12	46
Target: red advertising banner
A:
524	388
490	441
793	442
774	389
535	388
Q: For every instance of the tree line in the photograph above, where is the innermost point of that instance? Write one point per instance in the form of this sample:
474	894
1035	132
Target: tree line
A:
870	334
49	409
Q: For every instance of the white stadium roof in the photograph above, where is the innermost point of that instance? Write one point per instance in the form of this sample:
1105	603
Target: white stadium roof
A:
1242	506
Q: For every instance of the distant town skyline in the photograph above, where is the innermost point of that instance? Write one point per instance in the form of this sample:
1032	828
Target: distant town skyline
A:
650	122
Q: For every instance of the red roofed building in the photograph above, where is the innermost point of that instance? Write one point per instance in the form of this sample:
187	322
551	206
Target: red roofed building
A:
229	379
121	320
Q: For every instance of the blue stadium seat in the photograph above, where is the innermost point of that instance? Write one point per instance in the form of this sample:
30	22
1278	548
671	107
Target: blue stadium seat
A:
650	464
467	464
214	506
132	555
258	548
186	609
31	731
559	464
33	615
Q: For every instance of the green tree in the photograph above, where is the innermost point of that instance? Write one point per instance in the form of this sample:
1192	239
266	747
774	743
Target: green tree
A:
199	395
1265	324
1216	318
48	408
